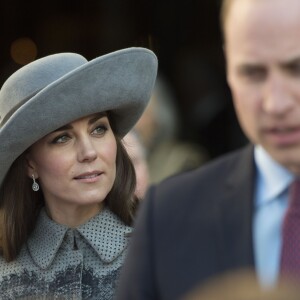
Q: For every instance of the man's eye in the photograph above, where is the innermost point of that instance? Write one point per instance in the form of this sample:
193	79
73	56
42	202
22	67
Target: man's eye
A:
294	69
253	73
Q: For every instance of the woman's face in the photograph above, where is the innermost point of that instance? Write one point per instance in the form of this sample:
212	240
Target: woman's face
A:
75	164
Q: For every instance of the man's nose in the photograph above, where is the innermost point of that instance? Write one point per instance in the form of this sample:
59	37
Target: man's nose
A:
278	98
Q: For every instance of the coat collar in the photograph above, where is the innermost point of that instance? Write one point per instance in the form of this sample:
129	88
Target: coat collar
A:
102	231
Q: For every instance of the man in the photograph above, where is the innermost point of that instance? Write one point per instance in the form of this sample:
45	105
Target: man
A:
137	152
228	214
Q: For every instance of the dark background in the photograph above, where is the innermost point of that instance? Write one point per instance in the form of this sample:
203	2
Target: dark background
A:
184	35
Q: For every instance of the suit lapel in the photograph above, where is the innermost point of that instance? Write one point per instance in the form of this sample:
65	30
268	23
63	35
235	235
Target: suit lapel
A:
235	211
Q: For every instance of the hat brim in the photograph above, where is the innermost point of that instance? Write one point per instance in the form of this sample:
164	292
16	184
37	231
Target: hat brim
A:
120	83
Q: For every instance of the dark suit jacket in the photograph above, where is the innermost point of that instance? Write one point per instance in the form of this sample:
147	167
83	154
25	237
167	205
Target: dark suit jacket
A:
190	228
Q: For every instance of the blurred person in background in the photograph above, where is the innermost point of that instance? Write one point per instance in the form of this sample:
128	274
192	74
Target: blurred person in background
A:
242	285
159	127
137	153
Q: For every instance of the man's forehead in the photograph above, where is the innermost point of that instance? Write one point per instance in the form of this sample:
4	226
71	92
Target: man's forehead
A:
267	7
261	20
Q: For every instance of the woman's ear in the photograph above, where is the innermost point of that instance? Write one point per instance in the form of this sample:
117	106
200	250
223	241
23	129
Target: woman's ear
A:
30	165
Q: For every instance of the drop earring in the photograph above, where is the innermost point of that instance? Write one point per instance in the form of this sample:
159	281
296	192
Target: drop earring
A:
35	186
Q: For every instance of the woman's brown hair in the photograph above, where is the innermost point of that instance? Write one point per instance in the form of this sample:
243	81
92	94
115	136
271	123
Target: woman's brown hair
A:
20	205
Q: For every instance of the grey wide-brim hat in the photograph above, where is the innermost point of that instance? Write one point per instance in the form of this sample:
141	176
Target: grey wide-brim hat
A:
58	89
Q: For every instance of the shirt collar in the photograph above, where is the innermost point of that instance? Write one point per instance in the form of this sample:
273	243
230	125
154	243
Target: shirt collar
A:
103	231
272	177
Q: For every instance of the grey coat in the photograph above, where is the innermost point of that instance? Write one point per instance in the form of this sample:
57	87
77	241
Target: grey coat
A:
58	262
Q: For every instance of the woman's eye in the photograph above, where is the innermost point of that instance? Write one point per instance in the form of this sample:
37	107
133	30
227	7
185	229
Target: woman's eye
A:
61	139
99	130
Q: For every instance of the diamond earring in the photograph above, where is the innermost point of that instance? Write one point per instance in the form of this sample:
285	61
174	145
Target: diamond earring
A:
35	186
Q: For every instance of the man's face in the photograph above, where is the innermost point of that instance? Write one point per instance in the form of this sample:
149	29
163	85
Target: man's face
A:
262	45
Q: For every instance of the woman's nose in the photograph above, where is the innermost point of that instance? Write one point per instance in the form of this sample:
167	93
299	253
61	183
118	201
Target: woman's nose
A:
86	150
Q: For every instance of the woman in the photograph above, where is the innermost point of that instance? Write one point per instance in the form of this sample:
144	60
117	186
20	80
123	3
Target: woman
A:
67	184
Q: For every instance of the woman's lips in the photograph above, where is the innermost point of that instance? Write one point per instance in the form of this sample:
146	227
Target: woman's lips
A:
89	176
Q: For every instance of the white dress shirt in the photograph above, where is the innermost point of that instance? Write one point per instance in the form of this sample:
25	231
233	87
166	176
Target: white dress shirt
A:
271	197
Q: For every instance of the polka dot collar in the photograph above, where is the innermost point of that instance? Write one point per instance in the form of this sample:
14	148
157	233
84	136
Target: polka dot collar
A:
105	233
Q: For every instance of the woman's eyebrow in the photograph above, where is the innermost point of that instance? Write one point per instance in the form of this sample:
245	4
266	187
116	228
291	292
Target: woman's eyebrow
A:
66	127
97	117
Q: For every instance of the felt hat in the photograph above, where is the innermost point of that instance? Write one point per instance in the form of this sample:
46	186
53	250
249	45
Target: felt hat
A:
57	89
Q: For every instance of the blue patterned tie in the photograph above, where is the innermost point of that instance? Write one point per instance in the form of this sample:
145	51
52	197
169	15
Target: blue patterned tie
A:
290	255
